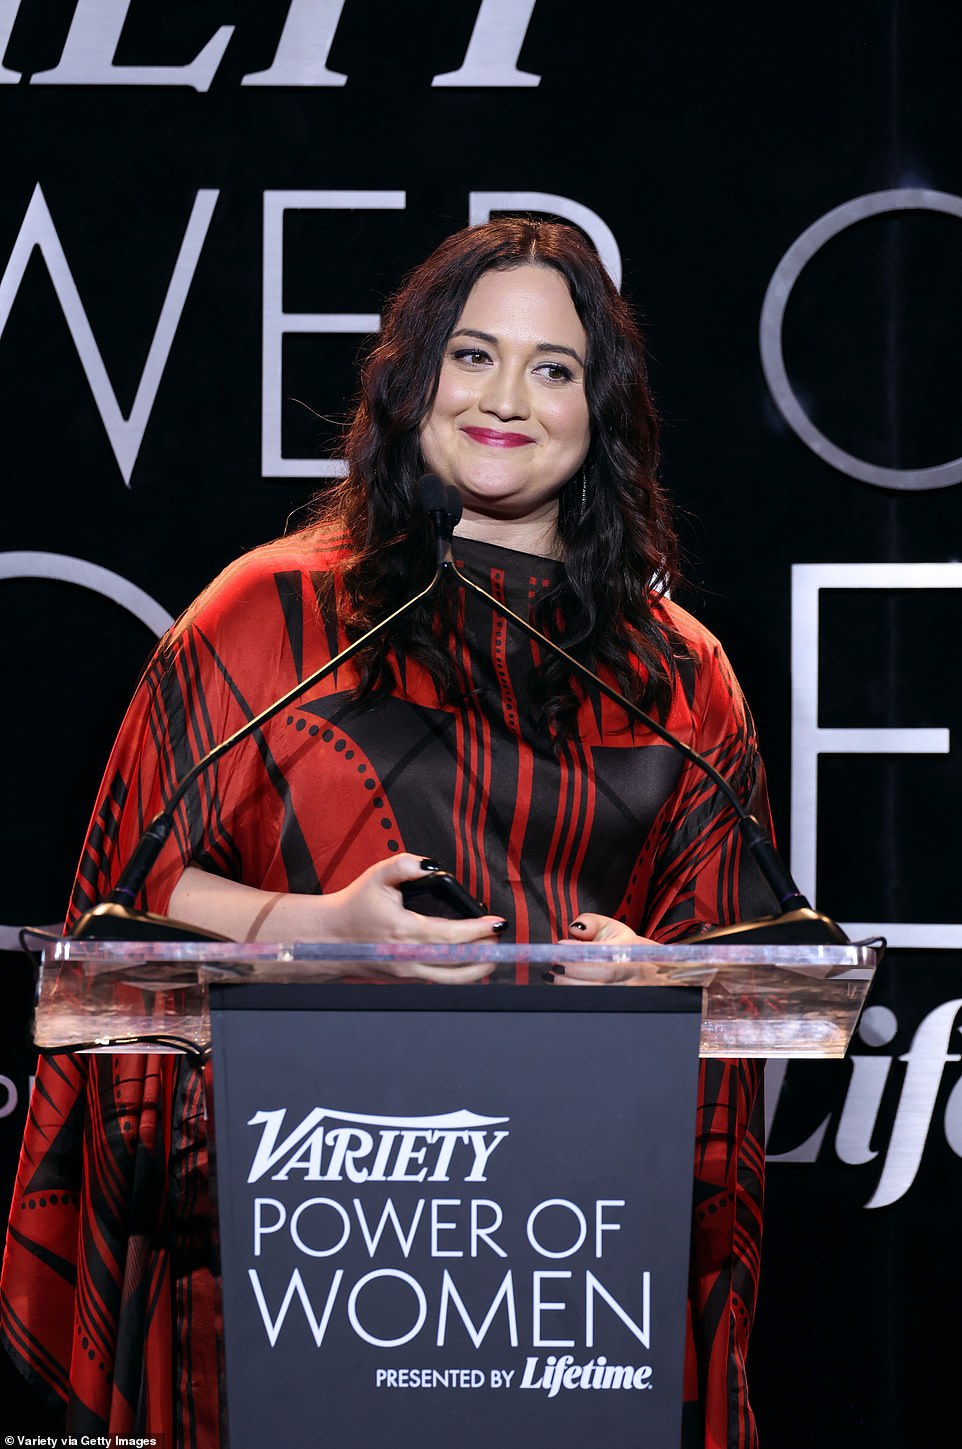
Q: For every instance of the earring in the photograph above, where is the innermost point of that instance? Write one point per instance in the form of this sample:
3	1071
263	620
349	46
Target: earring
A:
584	488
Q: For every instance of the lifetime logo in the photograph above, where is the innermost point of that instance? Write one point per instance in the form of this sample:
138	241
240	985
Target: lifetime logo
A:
334	1146
856	1132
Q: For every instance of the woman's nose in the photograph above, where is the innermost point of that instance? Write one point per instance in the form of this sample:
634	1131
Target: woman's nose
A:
505	394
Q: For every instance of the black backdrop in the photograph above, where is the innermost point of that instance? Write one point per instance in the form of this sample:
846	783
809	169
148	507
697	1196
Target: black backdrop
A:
708	139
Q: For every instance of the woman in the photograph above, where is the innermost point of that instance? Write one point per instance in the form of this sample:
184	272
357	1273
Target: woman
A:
508	365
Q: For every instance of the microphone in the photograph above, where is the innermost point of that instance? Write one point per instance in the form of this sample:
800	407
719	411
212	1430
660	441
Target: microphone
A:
796	923
444	507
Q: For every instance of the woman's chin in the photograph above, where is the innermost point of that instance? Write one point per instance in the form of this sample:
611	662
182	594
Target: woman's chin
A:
500	498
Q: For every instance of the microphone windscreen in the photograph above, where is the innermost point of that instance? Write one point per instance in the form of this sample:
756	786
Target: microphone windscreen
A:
432	494
454	505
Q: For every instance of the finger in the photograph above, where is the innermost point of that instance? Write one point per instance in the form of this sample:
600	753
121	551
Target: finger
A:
397	869
468	974
465	975
454	933
608	973
590	927
590	973
586	926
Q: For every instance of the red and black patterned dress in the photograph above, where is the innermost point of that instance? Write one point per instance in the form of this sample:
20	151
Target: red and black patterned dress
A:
109	1295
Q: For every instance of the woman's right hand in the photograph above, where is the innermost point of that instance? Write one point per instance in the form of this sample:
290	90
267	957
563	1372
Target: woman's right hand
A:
371	908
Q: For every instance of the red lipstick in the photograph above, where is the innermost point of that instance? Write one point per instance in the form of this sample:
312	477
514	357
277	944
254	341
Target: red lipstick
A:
492	438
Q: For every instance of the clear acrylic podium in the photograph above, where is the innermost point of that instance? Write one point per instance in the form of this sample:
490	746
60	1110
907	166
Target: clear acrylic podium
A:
758	1001
447	1213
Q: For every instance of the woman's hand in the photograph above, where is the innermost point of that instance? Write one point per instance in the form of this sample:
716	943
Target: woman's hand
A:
371	908
608	932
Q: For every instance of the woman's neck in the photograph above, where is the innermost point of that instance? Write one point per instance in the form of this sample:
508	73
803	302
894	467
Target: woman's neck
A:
537	536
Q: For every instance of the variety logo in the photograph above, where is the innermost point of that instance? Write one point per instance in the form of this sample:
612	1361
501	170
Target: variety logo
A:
334	1146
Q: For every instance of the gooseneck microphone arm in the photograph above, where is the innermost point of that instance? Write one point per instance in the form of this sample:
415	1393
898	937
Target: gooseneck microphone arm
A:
756	838
138	867
437	504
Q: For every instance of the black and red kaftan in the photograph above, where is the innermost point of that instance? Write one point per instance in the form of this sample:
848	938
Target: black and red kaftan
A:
109	1297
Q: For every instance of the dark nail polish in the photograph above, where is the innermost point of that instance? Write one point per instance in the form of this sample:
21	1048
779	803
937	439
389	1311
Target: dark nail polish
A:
578	926
428	864
558	970
499	926
547	976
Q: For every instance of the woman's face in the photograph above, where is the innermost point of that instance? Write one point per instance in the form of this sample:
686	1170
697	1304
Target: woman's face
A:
509	424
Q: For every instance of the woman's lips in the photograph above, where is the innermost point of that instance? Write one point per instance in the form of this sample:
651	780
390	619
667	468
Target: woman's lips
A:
493	439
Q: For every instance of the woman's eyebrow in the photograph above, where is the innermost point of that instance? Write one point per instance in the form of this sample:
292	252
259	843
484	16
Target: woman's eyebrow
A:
560	347
541	346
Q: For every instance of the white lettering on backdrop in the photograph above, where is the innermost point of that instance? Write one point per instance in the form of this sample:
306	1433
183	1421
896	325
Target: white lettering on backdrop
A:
810	740
126	434
784	277
857	1124
87	59
38	230
278	323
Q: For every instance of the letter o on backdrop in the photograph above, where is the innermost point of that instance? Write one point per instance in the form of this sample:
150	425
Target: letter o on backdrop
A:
64	569
786	274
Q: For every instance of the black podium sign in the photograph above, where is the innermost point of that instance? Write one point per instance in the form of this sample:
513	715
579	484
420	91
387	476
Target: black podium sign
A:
454	1216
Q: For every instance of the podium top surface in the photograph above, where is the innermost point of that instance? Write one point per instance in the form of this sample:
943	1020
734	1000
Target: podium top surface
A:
710	955
782	1001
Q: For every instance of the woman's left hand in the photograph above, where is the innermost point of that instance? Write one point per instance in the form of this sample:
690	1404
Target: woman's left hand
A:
603	929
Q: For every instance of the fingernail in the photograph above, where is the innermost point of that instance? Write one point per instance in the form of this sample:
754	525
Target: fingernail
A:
578	926
547	976
499	926
558	970
428	864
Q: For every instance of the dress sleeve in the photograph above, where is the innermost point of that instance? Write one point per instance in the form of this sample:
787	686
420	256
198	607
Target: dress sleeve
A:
210	675
111	1183
702	874
174	718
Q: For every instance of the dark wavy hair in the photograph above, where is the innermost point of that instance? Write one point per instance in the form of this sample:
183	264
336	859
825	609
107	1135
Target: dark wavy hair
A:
617	550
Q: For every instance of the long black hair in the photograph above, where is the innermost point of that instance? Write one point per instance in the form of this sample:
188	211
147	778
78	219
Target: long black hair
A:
616	540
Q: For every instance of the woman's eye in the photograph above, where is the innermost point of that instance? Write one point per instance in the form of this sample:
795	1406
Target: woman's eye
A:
555	372
473	356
